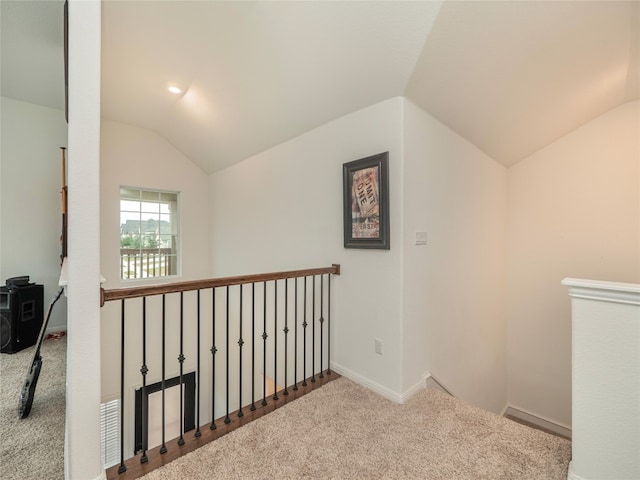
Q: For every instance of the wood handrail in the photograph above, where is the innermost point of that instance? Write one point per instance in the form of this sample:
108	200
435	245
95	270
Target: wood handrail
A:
148	290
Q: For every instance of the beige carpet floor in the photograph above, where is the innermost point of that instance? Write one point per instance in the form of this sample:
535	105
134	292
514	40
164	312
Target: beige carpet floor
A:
33	448
344	431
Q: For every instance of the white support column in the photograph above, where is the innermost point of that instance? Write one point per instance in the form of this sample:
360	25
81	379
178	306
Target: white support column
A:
82	440
605	380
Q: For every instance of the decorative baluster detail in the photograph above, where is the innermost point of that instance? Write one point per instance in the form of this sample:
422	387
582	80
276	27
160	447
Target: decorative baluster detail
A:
329	324
253	346
163	448
240	344
264	347
143	371
304	337
321	375
195	380
275	339
213	351
313	330
295	334
122	468
226	418
198	433
286	333
181	361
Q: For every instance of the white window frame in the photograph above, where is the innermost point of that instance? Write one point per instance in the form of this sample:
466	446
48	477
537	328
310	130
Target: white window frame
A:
139	274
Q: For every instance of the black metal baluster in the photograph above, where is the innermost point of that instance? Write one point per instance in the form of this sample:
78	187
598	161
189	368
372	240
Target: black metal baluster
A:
213	351
286	332
143	371
275	339
122	468
253	346
198	433
329	324
163	448
264	348
181	361
321	375
313	331
304	337
226	418
240	344
295	334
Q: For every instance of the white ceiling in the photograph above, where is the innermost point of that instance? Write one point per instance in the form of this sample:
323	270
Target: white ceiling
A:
509	76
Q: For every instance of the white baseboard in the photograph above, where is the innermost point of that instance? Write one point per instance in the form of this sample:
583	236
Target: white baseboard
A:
412	391
572	475
365	382
376	387
539	421
101	476
54	329
432	382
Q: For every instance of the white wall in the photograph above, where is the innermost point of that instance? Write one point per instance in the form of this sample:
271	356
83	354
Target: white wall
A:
31	216
574	211
282	209
139	157
453	287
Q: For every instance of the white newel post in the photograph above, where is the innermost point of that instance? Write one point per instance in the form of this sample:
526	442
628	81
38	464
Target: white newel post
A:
606	380
82	437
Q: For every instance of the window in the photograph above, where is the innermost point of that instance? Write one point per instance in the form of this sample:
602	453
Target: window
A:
148	233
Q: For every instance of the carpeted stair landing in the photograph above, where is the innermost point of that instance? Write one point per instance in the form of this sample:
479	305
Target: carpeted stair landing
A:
344	431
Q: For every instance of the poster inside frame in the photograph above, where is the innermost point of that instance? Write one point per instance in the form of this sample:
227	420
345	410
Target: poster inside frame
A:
365	185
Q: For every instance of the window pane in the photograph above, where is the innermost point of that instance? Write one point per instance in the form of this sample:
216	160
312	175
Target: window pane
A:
149	195
168	197
165	224
150	207
129	241
129	193
129	222
129	205
150	223
149	241
167	241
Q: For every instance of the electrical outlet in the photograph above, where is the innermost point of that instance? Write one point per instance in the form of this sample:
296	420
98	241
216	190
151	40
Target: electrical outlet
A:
378	346
421	238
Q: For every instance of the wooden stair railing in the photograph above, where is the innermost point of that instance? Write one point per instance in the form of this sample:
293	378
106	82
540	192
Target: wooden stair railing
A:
271	313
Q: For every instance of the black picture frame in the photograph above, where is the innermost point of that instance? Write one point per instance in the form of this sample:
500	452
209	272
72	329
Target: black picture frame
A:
365	186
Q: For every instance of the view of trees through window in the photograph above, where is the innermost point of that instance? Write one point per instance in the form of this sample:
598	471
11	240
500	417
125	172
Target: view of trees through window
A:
148	233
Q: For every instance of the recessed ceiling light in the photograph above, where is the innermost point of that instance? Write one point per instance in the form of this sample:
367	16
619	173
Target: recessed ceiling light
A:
175	89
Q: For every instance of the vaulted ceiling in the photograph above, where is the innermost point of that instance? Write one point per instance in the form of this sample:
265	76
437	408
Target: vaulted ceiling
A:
509	76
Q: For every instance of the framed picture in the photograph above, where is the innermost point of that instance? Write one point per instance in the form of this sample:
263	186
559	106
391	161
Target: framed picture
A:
365	185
